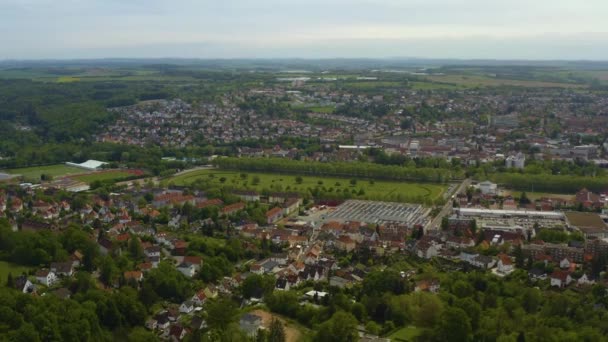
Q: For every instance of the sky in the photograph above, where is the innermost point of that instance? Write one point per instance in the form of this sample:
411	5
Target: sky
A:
465	29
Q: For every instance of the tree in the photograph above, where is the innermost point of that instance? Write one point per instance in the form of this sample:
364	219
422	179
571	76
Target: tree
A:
135	249
139	334
531	300
519	257
372	328
10	282
473	226
455	325
276	332
341	327
220	313
299	179
107	270
523	199
256	285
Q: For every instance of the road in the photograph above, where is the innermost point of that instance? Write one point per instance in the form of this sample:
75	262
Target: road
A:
156	180
203	167
447	208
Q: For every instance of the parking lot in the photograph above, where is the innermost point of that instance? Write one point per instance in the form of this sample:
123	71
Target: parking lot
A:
380	212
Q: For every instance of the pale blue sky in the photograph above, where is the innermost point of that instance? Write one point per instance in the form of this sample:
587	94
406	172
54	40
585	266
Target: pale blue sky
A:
498	29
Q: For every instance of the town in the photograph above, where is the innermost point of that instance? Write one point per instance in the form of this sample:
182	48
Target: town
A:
325	205
281	241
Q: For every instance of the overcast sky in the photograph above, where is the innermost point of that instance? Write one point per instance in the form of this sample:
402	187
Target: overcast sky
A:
495	29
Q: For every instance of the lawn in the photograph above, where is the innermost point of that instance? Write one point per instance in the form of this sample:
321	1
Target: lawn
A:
405	334
103	176
7	267
373	190
51	170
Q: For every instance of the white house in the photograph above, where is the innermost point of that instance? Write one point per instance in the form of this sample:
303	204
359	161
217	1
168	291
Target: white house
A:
517	161
62	268
565	264
488	188
186	307
152	251
560	279
585	280
505	264
187	269
427	249
24	285
46	277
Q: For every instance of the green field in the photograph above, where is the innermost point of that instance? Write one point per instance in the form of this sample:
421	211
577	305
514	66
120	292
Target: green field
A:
51	170
103	176
405	334
373	190
322	109
483	81
434	86
7	267
371	84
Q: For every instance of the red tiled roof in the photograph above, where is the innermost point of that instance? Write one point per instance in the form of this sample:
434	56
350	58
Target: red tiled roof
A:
274	212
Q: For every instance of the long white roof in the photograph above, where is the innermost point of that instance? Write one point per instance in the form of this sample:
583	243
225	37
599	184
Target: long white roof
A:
481	212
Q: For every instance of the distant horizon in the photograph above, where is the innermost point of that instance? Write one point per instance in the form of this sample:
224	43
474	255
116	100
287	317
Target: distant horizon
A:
311	29
279	58
435	60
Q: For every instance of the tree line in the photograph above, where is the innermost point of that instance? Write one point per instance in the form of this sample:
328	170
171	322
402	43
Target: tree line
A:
340	169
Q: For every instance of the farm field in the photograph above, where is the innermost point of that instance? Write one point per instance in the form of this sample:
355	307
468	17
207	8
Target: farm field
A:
7	267
433	86
482	81
373	190
51	170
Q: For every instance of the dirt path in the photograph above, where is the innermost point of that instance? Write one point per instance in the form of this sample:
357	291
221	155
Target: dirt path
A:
291	334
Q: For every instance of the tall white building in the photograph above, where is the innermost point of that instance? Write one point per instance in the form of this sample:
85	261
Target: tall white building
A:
517	161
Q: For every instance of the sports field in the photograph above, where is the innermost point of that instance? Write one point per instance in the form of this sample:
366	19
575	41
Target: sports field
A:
103	176
51	170
373	190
